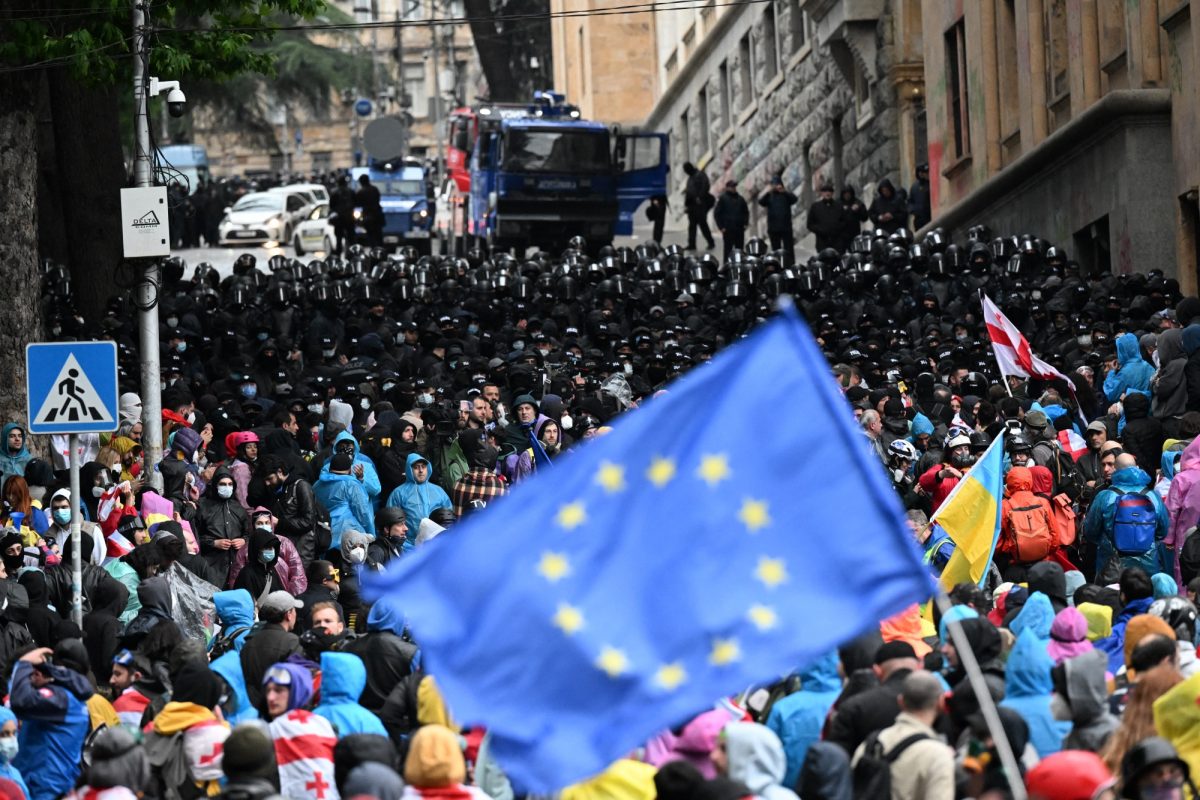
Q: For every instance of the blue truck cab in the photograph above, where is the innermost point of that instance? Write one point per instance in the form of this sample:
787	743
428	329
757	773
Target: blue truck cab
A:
404	196
542	176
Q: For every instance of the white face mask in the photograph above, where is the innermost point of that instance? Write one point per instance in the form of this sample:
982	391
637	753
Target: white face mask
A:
316	408
358	555
225	492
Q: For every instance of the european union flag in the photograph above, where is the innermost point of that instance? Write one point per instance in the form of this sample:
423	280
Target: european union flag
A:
728	532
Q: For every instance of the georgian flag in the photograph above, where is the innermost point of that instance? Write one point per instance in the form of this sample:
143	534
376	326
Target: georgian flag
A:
1013	353
304	749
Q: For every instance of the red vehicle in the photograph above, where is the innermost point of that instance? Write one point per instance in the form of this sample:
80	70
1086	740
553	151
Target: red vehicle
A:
453	219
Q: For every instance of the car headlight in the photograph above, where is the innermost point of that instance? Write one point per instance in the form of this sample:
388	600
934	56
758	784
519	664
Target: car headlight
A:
423	213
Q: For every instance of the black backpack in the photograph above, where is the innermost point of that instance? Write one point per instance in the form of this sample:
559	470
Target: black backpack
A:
225	642
873	772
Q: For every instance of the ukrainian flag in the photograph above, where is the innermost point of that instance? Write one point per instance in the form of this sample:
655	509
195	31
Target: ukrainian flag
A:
971	517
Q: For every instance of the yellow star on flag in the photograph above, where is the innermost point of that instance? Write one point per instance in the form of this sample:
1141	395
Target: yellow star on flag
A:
568	619
554	566
771	571
612	661
661	471
571	516
670	676
714	469
754	514
611	477
724	652
763	617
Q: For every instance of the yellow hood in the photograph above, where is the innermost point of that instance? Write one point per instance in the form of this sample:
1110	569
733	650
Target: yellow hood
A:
1177	718
177	717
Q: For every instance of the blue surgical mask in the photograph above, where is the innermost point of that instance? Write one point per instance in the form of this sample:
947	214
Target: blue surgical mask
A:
62	516
472	329
249	390
8	749
425	399
225	492
263	336
268	555
181	347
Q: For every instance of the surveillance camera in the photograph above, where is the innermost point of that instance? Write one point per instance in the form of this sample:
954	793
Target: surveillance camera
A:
175	102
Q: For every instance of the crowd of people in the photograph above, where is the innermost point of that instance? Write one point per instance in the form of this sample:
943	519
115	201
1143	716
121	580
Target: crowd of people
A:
327	419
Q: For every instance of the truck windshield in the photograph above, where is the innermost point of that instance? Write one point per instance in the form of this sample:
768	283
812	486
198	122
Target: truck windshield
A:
401	187
556	151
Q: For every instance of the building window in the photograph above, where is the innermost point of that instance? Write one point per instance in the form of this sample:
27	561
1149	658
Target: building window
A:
770	44
863	109
685	139
725	101
1057	80
672	66
322	161
798	22
838	177
414	89
582	70
745	72
1006	58
956	88
411	9
703	120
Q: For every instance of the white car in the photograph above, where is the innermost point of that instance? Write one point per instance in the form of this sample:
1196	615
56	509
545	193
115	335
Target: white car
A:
315	233
262	217
316	191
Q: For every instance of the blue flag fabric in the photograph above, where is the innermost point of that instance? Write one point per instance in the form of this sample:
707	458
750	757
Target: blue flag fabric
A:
727	533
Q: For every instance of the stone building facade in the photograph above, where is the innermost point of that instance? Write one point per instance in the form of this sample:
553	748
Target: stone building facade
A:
1071	119
812	90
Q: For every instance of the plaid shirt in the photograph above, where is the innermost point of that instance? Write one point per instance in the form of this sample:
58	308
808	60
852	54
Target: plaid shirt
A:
478	484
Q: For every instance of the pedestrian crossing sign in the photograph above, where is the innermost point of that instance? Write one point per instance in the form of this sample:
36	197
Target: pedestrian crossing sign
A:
71	387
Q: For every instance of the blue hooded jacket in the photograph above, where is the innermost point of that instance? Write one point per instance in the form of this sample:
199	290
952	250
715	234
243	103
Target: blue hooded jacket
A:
418	500
1113	645
13	463
370	479
1134	374
1098	524
798	718
347	503
8	770
1028	688
387	615
1036	616
54	724
920	426
229	667
235	609
343	678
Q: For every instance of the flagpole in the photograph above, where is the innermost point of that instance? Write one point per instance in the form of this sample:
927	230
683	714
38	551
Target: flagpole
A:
999	366
987	706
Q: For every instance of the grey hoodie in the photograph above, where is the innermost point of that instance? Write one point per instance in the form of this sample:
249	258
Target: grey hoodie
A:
756	759
1170	388
1087	695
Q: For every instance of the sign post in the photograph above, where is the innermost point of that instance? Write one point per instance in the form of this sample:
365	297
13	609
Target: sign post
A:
71	387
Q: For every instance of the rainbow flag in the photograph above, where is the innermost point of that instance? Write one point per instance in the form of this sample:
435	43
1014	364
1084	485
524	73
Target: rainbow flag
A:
971	517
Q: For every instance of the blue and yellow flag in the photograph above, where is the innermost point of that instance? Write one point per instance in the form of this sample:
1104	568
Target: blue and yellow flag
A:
700	548
971	517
